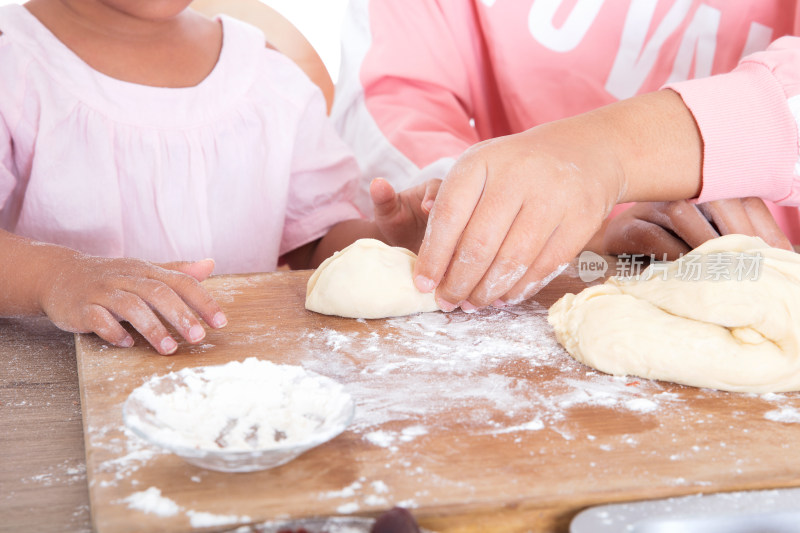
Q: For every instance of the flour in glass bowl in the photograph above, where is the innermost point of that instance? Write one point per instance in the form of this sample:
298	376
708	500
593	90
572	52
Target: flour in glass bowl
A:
238	406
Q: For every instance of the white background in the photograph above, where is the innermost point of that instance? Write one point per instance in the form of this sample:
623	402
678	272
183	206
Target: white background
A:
319	20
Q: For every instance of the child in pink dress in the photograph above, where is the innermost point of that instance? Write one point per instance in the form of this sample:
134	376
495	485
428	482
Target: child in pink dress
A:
144	130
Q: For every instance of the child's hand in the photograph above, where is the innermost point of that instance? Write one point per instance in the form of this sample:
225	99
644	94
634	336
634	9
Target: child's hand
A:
402	218
86	294
674	228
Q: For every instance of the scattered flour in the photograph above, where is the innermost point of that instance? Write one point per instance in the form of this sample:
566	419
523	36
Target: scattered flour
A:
533	425
151	501
131	453
379	487
408	504
787	408
494	361
643	405
380	438
410	433
203	519
784	414
373	494
347	492
347	508
60	474
375	501
486	371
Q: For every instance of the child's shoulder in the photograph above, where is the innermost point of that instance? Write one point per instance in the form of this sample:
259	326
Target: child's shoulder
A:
18	37
15	57
11	17
271	50
6	21
273	68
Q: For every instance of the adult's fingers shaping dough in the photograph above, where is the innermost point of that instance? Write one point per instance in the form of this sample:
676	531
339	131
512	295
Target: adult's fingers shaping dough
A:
553	258
457	197
520	248
493	217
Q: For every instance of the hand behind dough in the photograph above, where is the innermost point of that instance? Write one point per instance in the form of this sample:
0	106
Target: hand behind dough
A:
403	217
674	228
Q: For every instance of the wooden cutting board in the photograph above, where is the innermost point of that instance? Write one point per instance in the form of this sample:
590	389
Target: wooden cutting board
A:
476	422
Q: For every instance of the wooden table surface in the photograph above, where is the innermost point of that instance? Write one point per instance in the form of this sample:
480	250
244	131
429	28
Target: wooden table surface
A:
42	462
674	440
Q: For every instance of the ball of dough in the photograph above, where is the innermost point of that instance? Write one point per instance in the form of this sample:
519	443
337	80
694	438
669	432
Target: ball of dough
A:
732	328
368	279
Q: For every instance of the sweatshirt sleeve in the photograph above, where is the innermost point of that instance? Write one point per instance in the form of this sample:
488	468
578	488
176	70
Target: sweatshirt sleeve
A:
404	98
8	180
324	177
748	119
9	105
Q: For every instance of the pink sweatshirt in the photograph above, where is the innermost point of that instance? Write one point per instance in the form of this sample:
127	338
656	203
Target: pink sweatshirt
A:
424	79
242	168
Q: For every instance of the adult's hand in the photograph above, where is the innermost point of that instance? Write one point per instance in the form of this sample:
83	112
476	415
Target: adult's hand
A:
512	210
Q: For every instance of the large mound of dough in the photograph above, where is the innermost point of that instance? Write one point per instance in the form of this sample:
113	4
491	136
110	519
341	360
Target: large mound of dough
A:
737	334
368	279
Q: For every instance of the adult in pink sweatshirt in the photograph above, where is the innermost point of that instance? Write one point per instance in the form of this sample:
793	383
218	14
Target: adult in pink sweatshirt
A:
424	80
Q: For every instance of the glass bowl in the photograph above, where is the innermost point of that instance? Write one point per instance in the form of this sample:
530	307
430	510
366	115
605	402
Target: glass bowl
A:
240	416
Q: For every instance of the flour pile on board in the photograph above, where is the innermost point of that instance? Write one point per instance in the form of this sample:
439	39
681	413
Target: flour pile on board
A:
151	501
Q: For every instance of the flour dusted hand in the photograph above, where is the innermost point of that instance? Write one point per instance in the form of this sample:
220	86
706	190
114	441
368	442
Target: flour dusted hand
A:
512	210
84	294
91	294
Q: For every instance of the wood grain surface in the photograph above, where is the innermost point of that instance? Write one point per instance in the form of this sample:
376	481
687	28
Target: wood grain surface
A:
476	422
42	468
